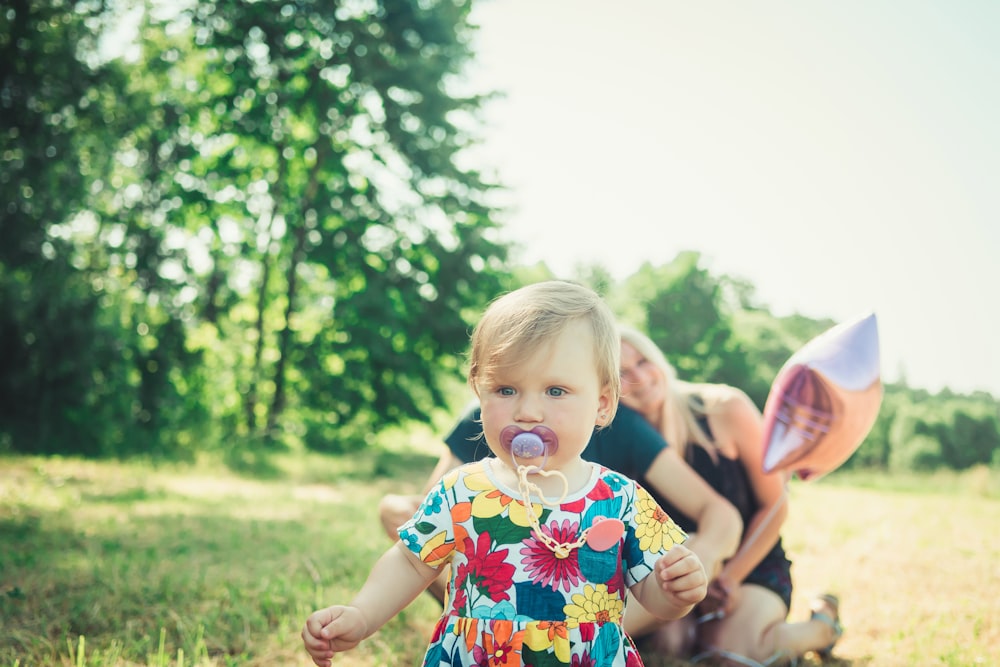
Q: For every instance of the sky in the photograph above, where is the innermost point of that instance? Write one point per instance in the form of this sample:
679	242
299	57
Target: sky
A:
843	157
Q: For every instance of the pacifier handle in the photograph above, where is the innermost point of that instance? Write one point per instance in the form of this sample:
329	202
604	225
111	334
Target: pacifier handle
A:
527	445
540	441
531	443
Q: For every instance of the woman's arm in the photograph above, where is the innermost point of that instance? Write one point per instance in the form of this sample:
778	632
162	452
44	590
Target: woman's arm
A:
719	524
742	424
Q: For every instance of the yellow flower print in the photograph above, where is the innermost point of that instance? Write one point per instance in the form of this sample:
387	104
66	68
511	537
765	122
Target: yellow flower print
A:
436	551
654	528
478	481
542	635
492	502
594	605
449	479
519	514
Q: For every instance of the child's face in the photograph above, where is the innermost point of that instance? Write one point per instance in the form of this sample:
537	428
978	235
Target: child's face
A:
557	386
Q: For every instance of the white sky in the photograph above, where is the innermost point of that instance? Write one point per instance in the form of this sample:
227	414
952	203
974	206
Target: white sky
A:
843	156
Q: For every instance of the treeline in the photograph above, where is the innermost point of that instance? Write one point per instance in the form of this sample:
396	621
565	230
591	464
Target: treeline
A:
713	330
258	227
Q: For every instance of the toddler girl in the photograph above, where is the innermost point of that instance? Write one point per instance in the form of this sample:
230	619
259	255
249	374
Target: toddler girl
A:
543	545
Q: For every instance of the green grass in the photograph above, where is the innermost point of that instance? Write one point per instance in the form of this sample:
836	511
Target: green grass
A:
129	564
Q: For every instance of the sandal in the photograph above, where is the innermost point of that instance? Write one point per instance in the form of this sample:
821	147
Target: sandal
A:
833	603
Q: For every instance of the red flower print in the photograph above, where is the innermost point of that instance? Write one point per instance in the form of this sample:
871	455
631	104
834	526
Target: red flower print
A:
487	571
461	601
601	491
574	506
542	564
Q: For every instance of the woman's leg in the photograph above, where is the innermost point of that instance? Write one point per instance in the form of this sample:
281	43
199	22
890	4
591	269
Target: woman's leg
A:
757	629
395	510
673	639
749	630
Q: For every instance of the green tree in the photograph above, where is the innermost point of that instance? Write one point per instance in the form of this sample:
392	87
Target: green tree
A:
685	313
913	445
769	342
62	357
263	225
967	438
332	244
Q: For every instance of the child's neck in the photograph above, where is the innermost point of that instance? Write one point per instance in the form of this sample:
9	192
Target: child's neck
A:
576	474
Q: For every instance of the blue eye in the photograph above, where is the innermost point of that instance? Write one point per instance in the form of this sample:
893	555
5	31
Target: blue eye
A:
506	391
556	391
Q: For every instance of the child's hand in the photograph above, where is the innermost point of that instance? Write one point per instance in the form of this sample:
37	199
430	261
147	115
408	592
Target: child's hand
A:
681	575
332	630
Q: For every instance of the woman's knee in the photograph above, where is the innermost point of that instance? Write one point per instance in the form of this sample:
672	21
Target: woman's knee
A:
747	630
395	510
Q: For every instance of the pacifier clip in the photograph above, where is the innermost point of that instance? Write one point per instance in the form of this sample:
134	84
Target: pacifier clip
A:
602	534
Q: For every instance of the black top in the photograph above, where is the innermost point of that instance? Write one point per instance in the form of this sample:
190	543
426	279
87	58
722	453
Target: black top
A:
730	480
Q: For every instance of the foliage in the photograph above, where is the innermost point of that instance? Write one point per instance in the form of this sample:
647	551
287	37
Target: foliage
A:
921	432
262	227
683	308
681	313
65	359
273	233
711	335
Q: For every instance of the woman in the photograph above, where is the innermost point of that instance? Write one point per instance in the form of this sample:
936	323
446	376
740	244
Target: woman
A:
718	431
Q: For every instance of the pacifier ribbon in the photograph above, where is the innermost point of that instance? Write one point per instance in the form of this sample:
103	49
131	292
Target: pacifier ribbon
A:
603	534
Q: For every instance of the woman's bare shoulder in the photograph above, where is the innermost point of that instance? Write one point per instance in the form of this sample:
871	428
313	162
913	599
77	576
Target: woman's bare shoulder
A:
722	398
734	418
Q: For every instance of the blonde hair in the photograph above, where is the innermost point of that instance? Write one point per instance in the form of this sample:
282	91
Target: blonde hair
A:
516	324
682	405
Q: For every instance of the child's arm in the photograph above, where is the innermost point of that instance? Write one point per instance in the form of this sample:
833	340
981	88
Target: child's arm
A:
396	579
676	585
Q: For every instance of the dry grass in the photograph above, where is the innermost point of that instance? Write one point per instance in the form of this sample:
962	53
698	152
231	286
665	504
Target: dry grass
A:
917	571
201	567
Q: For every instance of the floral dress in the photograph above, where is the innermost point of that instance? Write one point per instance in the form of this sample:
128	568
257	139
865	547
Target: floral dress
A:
512	601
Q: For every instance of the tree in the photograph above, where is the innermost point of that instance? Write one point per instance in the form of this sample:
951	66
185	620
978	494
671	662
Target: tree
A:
684	313
769	342
967	438
314	151
62	359
263	225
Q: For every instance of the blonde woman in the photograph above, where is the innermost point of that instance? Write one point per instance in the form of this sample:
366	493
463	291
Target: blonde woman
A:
718	431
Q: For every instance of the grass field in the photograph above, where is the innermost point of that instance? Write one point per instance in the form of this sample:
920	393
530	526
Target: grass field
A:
121	564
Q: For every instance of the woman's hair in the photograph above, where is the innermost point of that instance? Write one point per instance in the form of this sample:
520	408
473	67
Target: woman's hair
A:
516	324
682	405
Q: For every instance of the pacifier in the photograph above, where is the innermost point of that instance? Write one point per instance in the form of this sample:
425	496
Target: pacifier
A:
539	441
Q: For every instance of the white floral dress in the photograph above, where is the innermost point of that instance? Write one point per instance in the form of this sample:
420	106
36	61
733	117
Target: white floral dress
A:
511	600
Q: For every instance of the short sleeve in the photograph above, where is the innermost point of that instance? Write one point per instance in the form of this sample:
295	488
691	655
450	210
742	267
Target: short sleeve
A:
649	534
430	533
